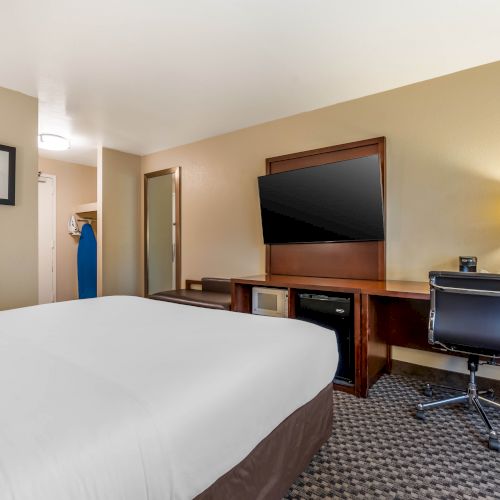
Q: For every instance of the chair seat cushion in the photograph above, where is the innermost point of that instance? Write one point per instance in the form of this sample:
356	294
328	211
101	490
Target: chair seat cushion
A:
212	300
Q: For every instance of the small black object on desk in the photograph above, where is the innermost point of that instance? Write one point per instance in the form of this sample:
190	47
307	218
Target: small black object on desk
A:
467	264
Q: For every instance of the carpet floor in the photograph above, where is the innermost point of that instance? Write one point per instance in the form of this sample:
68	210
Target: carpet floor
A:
378	449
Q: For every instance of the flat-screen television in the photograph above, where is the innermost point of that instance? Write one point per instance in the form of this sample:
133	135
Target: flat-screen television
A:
335	202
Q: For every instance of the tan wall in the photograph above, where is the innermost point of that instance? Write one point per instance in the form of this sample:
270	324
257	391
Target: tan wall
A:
443	177
19	223
75	184
118	196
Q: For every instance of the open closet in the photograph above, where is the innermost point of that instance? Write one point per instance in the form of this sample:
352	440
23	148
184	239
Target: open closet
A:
67	194
84	224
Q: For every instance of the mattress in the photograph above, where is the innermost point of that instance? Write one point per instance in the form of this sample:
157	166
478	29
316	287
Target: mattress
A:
130	398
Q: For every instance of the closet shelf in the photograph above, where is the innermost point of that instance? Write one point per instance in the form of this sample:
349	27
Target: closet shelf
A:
87	210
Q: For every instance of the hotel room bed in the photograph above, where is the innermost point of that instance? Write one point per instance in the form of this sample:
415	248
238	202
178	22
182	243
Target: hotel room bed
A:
130	398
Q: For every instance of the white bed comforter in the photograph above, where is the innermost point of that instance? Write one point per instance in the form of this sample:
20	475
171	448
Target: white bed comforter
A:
129	398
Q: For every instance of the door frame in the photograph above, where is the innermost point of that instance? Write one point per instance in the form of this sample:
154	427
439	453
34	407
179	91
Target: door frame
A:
176	175
53	178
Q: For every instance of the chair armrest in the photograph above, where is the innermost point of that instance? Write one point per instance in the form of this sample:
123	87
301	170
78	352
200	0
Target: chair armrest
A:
191	284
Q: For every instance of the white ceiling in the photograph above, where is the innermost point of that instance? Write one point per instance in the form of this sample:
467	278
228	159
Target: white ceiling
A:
141	76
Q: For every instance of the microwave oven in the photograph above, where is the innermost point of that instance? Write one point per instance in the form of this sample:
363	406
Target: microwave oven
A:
270	301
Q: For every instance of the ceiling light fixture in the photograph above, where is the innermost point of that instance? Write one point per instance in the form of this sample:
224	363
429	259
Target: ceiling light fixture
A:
53	142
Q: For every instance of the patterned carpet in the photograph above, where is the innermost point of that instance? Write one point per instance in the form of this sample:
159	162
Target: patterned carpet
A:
378	449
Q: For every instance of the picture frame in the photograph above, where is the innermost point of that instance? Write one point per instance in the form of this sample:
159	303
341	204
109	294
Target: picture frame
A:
7	175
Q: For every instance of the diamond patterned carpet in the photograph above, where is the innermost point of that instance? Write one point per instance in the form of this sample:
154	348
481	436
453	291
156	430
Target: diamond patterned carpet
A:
379	450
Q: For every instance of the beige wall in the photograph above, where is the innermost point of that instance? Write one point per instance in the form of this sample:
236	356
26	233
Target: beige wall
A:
443	177
118	197
19	223
75	184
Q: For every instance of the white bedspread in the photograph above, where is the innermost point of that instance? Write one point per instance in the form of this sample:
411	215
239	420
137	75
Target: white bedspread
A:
129	398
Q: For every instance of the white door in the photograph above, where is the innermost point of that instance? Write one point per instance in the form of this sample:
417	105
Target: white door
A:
46	238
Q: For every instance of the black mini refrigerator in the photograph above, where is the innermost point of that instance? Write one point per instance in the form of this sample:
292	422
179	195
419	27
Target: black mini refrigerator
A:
334	312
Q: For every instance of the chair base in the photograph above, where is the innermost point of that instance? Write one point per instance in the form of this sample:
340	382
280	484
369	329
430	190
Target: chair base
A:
472	397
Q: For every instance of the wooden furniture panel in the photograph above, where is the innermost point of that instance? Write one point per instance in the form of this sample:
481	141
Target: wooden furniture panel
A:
359	355
292	301
374	345
394	320
360	260
316	157
241	298
385	313
404	322
387	288
357	260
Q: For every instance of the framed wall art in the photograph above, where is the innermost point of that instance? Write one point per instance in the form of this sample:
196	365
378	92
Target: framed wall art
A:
7	175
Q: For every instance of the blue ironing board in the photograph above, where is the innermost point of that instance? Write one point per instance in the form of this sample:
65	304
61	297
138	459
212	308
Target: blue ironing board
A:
87	263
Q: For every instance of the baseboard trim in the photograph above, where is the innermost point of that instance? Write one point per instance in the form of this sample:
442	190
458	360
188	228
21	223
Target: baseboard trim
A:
443	377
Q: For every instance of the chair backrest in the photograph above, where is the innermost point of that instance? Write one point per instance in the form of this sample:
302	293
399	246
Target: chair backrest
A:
465	312
219	285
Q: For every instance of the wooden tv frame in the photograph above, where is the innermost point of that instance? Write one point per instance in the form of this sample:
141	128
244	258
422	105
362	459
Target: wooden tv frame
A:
350	260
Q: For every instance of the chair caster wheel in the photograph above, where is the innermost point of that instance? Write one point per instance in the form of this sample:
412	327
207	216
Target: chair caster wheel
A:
428	390
494	444
420	415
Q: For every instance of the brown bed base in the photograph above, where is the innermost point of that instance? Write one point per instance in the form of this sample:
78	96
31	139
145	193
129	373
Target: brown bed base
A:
273	465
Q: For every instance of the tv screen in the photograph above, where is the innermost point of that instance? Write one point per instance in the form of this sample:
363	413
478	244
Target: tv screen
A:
339	201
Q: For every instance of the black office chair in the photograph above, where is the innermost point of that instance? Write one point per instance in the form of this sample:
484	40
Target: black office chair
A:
465	318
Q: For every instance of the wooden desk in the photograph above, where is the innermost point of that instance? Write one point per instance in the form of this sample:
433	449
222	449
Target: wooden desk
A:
385	313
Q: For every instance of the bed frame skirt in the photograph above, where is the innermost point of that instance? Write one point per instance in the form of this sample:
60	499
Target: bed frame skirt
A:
273	465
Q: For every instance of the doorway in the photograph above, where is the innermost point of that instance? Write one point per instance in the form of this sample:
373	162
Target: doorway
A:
162	231
46	238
